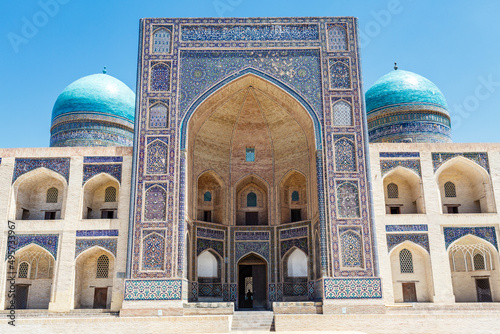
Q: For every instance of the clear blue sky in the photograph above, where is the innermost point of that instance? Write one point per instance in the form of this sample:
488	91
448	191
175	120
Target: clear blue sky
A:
455	44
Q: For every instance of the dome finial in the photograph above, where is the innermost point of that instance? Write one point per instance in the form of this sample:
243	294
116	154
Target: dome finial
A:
104	70
395	66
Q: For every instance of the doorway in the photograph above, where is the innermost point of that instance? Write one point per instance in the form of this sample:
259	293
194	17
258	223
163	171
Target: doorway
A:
252	283
100	297
483	290
22	296
409	293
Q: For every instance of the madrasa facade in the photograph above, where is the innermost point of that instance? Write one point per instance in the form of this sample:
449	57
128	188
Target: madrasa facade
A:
249	171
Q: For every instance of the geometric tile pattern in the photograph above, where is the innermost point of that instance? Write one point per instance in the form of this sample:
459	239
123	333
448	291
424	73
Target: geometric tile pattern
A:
345	153
293	233
209	233
261	248
340	77
295	289
484	232
421	239
46	241
162	39
352	288
310	290
481	158
388	165
352	249
347	199
407	228
91	170
24	165
102	159
84	244
160	77
158	115
399	154
153	289
203	244
154	206
251	236
301	244
157	158
342	113
209	289
337	38
153	252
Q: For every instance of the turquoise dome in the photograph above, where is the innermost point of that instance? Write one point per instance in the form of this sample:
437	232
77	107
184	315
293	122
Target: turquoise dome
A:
403	87
403	106
97	93
96	110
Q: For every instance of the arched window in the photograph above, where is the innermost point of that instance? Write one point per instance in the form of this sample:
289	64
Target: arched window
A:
337	39
295	196
207	265
342	114
479	262
102	267
158	116
154	208
52	195
252	199
406	261
157	158
345	155
207	196
351	249
162	40
110	194
160	77
340	77
392	190
23	270
450	190
297	264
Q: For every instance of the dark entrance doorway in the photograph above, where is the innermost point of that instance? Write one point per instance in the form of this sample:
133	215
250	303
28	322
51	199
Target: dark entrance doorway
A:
409	293
483	290
22	296
100	297
252	282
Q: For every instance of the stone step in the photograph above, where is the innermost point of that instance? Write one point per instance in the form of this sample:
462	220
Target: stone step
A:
245	321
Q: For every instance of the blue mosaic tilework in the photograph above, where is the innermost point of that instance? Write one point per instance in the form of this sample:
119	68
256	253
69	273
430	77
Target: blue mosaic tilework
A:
90	135
91	170
421	239
97	233
158	115
84	244
336	37
352	288
340	75
157	162
481	158
204	244
301	244
293	233
194	291
160	76
399	154
155	204
345	153
261	32
243	248
162	39
295	289
102	159
209	289
322	213
233	292
225	292
310	290
24	165
279	291
347	199
484	232
352	247
407	228
48	242
153	252
271	288
429	132
251	235
210	233
153	289
413	164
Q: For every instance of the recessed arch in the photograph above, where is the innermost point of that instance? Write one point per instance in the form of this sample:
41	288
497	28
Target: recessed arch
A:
94	204
410	199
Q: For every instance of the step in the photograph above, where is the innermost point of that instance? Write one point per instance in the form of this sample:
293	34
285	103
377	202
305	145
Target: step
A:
253	321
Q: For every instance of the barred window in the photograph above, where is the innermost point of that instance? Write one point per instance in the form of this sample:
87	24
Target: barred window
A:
23	270
110	194
479	262
295	196
450	190
342	114
251	199
102	267
207	196
392	190
406	261
52	195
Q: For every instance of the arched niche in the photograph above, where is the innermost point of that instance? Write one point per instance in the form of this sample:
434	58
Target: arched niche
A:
474	264
209	271
473	190
251	201
211	198
101	197
33	287
403	192
94	269
295	269
293	197
31	200
411	273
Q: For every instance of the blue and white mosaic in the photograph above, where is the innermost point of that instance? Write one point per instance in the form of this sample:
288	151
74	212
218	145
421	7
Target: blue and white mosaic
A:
153	289
24	165
481	158
47	241
294	233
84	244
210	233
97	233
421	239
407	228
114	170
484	232
251	235
413	164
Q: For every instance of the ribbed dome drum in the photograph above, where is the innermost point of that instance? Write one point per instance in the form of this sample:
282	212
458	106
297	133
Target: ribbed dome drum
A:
403	106
96	110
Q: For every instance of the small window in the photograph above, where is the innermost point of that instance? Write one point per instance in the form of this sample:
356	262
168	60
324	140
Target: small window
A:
296	215
450	190
110	194
392	190
102	267
52	194
25	214
251	199
250	154
207	216
479	262
50	215
207	196
108	214
452	209
395	210
23	270
295	196
406	261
